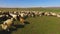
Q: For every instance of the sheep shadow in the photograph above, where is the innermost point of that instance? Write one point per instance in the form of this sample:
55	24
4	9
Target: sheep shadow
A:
20	25
26	22
5	32
11	29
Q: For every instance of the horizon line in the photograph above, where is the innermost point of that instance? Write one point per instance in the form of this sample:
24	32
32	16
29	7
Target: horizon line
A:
31	7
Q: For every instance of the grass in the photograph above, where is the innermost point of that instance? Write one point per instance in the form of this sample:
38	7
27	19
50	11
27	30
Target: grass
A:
51	9
40	25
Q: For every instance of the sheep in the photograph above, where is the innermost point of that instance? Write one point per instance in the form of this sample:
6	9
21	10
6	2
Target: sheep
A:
1	15
36	13
40	13
4	27
46	14
22	18
22	14
7	24
14	16
58	15
8	21
53	14
32	14
3	18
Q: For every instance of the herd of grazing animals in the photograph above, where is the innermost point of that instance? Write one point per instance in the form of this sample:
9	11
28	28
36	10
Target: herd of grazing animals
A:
9	17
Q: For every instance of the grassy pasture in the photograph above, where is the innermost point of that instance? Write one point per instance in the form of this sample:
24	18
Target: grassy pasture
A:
40	25
32	9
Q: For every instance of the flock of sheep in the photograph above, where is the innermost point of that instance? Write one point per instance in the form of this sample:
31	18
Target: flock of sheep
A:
8	18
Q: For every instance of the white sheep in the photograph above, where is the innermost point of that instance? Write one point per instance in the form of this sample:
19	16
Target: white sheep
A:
58	15
4	27
14	16
53	14
8	21
22	14
6	24
46	13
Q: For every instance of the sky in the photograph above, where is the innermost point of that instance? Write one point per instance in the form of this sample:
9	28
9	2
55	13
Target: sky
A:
29	3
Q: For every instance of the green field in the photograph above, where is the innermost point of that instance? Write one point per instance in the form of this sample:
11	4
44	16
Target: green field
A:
50	9
40	25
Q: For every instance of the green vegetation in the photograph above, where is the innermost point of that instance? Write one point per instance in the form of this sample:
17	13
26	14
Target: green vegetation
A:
31	9
40	25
